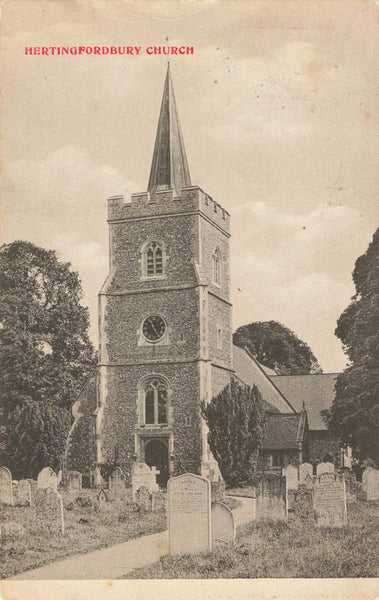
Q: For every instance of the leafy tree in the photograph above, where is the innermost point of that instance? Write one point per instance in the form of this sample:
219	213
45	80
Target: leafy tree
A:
235	418
45	355
277	347
354	415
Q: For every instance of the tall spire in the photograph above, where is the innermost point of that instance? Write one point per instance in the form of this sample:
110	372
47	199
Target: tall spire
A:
169	168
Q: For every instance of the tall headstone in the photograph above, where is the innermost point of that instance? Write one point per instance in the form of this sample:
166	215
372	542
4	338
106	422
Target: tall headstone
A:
304	470
372	485
6	494
326	467
271	498
47	479
74	482
189	514
223	530
117	488
49	509
292	477
23	493
142	475
329	501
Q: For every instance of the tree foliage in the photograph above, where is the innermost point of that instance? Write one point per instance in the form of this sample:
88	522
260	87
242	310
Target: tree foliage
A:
235	418
354	415
45	355
277	347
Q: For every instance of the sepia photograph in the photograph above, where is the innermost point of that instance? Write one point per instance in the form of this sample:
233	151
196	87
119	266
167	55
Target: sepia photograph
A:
189	299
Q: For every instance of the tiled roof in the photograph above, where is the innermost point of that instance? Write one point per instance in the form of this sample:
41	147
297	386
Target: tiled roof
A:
316	391
250	372
283	431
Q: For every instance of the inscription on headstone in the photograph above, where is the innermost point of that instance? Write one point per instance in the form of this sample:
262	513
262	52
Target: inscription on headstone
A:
223	530
304	470
189	514
6	494
309	482
23	493
329	501
47	479
271	498
49	509
326	467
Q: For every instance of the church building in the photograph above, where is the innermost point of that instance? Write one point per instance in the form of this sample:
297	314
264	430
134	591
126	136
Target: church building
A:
165	328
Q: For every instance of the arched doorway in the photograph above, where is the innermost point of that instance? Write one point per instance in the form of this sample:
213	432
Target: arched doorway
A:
156	455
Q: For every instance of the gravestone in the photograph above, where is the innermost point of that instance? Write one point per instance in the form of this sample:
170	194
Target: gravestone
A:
271	498
49	509
326	467
6	493
351	486
223	530
329	501
158	500
292	477
102	500
142	475
143	499
117	488
74	482
189	514
23	493
304	470
309	481
372	485
364	477
47	479
95	476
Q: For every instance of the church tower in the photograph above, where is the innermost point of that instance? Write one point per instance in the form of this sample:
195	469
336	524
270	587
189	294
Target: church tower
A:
164	315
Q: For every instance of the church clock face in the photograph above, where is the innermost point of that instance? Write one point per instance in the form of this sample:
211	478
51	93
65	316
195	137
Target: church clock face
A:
154	328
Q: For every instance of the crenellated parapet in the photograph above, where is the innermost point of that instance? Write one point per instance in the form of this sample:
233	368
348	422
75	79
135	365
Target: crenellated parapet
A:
162	202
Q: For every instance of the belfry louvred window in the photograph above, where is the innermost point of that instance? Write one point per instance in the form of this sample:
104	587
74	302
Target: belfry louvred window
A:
154	258
155	402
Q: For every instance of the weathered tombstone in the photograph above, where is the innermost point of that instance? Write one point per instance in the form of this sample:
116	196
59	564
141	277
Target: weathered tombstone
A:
329	501
49	509
271	498
95	476
304	470
158	500
351	486
47	479
223	530
102	500
372	485
189	514
309	482
326	467
292	477
23	493
6	494
364	477
117	488
74	482
143	499
142	475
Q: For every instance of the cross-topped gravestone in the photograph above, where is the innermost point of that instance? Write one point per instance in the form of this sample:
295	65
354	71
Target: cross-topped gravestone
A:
329	501
47	479
23	493
271	498
49	509
304	470
6	494
189	514
324	467
74	482
223	530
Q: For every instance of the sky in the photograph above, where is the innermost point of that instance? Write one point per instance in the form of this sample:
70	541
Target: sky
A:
278	107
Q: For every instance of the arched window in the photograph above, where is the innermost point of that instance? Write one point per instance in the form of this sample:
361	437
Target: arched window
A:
155	402
216	267
153	259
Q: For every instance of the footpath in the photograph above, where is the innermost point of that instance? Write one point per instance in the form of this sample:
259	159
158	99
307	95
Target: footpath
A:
118	560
